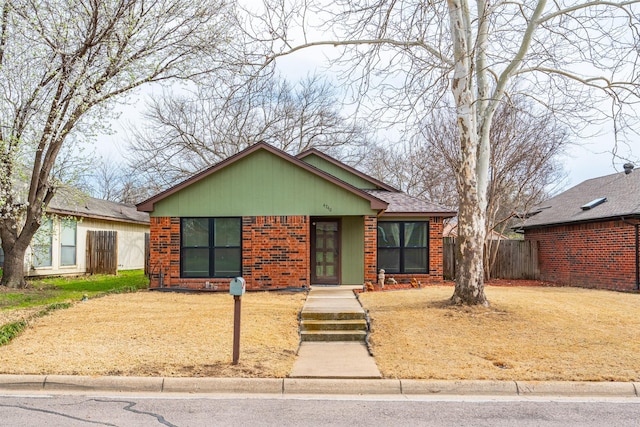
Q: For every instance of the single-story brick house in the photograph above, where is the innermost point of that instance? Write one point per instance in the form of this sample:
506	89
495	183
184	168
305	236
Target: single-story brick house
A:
588	235
283	221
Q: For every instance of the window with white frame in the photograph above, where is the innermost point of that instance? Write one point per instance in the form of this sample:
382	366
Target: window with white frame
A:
68	237
41	244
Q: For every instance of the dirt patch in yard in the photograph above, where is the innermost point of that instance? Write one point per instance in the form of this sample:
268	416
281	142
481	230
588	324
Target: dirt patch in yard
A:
160	334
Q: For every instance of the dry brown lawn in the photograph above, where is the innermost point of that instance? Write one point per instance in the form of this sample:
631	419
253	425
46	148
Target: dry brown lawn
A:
528	333
160	334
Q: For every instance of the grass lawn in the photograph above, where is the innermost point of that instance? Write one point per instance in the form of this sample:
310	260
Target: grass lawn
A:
161	334
45	295
60	289
528	333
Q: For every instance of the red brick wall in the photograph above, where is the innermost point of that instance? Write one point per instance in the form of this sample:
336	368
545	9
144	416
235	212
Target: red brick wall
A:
164	246
370	248
594	255
275	251
275	254
436	227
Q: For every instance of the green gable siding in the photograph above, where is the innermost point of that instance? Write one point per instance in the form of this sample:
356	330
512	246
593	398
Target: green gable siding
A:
339	172
262	184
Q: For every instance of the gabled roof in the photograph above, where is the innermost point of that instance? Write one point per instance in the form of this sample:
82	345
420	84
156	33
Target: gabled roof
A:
401	204
376	183
620	191
148	205
70	202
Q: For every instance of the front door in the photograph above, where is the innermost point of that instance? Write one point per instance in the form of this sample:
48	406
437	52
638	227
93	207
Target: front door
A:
325	252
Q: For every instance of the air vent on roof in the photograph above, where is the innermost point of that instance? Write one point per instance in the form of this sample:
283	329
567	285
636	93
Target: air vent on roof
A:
593	203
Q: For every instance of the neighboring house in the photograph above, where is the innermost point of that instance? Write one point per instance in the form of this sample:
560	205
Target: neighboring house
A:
588	235
60	245
289	221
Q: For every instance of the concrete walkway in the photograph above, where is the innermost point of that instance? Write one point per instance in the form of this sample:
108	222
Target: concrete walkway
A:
337	359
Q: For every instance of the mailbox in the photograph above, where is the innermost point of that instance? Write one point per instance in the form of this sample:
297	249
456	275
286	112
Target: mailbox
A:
237	286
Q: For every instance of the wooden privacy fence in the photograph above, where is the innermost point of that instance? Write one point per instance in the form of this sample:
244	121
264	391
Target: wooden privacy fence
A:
102	252
515	259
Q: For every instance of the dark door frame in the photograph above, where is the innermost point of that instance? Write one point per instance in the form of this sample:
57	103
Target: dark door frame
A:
338	252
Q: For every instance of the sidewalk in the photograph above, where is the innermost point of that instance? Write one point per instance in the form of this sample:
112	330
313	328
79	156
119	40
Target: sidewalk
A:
334	359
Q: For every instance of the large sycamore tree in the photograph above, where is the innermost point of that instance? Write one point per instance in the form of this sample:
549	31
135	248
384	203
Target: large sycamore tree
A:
578	59
62	65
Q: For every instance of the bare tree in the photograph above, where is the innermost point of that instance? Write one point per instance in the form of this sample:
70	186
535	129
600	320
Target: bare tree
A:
115	181
62	65
526	143
579	59
184	133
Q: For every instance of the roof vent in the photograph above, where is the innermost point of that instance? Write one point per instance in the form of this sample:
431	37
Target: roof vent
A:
592	204
628	168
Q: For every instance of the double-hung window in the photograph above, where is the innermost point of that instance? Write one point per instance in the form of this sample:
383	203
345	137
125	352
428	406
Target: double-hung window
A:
403	246
41	244
68	233
211	247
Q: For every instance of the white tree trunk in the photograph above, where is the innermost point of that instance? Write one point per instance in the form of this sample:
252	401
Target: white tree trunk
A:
471	176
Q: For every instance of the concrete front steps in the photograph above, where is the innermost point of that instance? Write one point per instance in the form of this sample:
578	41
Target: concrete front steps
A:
327	329
332	314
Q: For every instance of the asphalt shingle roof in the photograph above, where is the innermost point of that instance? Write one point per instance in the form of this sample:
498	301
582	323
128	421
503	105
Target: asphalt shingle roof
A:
405	204
622	193
74	203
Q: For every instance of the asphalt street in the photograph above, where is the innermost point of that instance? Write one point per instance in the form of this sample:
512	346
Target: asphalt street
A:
185	410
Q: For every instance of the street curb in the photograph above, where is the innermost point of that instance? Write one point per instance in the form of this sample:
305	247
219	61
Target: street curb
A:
22	382
471	387
117	384
314	386
340	386
576	388
223	385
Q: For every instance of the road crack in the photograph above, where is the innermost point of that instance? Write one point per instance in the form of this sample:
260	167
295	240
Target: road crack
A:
129	407
60	414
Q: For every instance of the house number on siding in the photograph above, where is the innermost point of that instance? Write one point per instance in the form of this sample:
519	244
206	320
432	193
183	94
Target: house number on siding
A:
327	207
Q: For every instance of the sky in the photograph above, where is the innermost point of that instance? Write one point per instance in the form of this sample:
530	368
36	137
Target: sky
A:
591	158
588	158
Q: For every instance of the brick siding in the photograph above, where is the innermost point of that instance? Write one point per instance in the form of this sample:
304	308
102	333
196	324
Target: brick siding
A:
275	254
370	248
594	255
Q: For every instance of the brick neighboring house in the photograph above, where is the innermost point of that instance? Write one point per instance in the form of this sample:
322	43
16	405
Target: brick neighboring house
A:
284	221
588	235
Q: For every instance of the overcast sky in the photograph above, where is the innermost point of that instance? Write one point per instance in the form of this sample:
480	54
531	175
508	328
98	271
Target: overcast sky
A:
588	158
